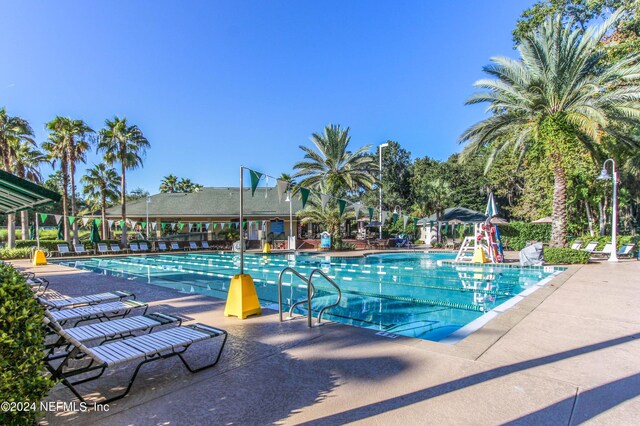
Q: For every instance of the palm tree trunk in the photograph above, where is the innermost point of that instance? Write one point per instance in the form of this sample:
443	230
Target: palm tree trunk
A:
65	198
105	235
123	203
559	213
589	218
24	221
74	208
11	230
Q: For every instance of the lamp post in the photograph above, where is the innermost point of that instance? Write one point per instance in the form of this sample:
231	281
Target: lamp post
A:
382	145
147	227
291	238
604	175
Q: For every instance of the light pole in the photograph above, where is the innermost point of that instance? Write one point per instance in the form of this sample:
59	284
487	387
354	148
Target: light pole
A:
382	145
604	175
291	237
147	227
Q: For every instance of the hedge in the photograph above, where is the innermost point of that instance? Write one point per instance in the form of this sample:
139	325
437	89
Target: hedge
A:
21	347
556	255
15	253
515	235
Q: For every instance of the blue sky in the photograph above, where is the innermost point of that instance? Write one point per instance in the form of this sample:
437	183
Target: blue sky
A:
217	84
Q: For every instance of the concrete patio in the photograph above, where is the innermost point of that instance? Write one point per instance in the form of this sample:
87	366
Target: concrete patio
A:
567	354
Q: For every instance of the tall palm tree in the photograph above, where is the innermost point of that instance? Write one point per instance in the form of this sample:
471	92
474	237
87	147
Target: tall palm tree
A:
74	137
185	185
333	164
169	184
57	153
13	131
100	184
27	161
558	99
125	144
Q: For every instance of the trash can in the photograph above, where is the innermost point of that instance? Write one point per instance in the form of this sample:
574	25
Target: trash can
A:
532	255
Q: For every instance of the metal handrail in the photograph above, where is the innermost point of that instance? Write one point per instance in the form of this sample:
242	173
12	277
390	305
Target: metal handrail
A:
333	283
310	293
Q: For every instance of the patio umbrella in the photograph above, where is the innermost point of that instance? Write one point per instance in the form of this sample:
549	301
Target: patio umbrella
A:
543	220
95	234
492	209
32	232
61	229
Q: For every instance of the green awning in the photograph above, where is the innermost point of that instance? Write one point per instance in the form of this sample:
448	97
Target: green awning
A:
18	194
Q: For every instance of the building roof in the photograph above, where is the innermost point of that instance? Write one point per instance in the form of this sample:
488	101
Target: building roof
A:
457	214
210	202
18	194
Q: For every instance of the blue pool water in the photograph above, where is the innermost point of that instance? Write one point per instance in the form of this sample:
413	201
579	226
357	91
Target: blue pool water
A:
422	295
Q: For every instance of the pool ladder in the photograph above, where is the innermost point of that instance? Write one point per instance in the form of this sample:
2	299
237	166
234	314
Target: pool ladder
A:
311	291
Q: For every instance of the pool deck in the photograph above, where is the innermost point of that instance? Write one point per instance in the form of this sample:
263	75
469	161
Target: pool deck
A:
568	353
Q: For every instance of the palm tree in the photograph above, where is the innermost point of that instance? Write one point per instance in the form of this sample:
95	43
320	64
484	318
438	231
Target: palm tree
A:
77	149
332	163
56	151
169	184
13	131
27	161
100	184
558	99
185	185
125	144
329	217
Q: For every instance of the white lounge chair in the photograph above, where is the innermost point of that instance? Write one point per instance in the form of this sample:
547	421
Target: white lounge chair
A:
103	248
144	247
134	247
205	245
576	244
90	299
80	250
115	248
608	247
162	246
193	245
175	246
590	247
103	311
63	249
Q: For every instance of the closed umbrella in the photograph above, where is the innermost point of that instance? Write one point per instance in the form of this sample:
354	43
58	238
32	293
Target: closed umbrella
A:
492	208
61	229
32	232
95	234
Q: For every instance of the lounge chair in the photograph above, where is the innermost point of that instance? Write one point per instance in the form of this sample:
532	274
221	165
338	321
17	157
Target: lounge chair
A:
193	245
103	248
162	246
115	248
134	247
103	311
80	250
590	247
175	246
608	247
136	350
205	245
626	250
144	247
576	244
63	249
91	299
39	285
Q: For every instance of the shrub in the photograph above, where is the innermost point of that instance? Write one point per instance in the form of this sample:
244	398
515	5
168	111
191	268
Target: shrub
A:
515	235
15	253
21	347
557	255
341	245
418	242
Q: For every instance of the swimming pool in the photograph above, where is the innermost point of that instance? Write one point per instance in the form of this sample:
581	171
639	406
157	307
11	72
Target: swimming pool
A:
422	295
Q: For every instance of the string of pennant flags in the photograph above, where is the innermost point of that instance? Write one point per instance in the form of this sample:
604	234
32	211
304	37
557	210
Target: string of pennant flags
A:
284	186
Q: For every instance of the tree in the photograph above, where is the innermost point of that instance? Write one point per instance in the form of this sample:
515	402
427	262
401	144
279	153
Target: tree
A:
137	193
27	161
125	144
341	170
100	185
559	98
56	149
169	184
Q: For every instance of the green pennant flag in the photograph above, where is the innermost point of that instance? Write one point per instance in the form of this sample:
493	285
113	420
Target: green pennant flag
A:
415	222
98	222
214	225
255	179
71	219
446	228
394	217
244	224
199	227
144	225
304	195
342	204
121	222
180	225
370	214
163	225
43	217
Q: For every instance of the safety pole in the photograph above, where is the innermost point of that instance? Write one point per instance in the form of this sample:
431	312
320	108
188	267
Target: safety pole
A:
37	231
241	219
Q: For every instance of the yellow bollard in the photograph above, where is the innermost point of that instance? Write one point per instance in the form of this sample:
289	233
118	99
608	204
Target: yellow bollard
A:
266	248
242	299
478	256
39	258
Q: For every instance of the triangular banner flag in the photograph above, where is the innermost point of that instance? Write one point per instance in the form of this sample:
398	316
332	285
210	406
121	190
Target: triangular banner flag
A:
255	179
144	225
110	222
304	195
98	222
121	222
43	217
85	220
206	226
342	204
173	226
394	217
370	213
415	222
221	226
324	198
384	217
356	207
405	219
180	225
282	188
57	217
133	223
71	219
199	227
154	225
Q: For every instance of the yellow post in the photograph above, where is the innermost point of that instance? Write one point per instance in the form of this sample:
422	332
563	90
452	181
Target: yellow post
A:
39	258
478	256
242	299
266	248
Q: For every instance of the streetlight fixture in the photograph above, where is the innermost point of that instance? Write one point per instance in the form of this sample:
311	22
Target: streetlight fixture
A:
382	145
292	239
604	175
147	227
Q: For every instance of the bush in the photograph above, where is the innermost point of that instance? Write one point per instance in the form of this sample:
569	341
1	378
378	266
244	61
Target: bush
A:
21	347
15	253
417	242
557	255
341	245
515	235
